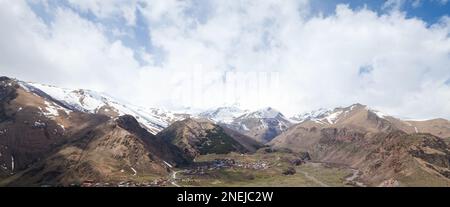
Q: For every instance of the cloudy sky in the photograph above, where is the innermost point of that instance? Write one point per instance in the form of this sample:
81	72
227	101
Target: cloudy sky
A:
294	55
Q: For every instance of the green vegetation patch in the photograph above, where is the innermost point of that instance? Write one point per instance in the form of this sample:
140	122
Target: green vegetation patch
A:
218	142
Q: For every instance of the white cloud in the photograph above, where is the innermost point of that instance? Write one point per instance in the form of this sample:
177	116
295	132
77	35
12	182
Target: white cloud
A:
71	51
301	62
109	8
394	4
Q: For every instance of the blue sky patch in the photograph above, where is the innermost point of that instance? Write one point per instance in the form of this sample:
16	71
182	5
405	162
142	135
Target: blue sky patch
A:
430	11
365	70
447	82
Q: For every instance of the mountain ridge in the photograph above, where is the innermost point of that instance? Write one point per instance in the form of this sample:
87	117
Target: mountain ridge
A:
44	142
93	102
374	143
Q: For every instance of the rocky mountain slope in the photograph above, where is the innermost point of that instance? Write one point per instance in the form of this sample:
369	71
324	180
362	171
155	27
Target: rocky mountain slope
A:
198	137
373	143
355	116
436	127
32	126
111	152
345	116
45	141
262	125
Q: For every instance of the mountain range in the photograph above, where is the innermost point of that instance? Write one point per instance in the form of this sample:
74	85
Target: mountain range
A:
380	146
56	136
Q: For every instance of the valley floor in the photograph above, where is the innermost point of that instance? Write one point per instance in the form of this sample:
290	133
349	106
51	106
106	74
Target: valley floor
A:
262	170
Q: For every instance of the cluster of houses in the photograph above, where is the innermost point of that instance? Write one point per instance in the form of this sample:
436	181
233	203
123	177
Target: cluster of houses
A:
259	165
217	164
200	169
156	183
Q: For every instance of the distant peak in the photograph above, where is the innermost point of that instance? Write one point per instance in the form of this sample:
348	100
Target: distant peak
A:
234	108
4	78
224	114
268	109
267	112
352	107
358	105
329	116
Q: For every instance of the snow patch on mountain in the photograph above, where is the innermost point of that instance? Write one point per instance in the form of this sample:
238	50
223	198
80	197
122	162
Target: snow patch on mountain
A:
223	114
267	118
89	101
332	116
265	113
312	115
52	110
378	113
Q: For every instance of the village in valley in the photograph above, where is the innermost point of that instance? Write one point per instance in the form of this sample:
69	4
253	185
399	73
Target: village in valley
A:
265	167
198	169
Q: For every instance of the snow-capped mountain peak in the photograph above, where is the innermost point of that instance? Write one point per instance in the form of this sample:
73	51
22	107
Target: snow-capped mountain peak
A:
263	125
322	115
312	115
224	114
265	113
89	101
378	113
332	116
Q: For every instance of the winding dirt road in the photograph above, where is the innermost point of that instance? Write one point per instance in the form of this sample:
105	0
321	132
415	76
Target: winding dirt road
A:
353	177
314	179
173	178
